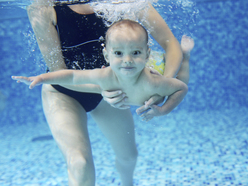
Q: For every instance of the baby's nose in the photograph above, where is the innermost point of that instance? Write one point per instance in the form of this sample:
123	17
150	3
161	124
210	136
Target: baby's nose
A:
128	59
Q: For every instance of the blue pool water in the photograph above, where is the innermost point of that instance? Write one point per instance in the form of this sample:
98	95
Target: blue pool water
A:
202	142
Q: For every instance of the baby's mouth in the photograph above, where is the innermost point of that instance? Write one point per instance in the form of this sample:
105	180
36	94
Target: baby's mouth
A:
127	68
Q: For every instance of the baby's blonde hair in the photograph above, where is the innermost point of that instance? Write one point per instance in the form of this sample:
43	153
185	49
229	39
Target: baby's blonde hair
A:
124	23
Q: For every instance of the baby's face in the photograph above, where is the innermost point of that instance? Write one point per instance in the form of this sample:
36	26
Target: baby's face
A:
127	51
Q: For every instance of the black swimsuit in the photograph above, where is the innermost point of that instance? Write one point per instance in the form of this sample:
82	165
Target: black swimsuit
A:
81	37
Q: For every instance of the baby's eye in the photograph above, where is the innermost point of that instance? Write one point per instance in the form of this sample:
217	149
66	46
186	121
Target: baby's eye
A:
136	52
118	53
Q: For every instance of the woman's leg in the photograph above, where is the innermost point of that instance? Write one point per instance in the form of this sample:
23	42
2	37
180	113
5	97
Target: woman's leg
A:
68	123
118	127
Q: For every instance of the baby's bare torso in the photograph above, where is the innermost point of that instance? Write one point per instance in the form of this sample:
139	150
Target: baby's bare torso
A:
136	93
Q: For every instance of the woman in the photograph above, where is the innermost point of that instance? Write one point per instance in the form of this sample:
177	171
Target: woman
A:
65	110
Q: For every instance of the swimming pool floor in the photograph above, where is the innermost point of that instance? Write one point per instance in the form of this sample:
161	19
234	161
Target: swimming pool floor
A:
181	149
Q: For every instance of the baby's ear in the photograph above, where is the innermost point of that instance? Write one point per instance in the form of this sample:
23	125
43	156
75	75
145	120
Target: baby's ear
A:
105	54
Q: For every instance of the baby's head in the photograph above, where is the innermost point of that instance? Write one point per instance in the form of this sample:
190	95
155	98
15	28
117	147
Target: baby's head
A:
128	27
126	47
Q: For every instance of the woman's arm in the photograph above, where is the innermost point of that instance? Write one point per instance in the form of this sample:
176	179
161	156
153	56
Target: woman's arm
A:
160	31
43	20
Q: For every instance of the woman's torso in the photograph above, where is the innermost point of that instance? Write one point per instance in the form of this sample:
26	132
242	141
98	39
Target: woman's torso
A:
81	36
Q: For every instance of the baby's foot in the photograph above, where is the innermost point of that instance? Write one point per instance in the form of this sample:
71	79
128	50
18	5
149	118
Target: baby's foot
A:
187	44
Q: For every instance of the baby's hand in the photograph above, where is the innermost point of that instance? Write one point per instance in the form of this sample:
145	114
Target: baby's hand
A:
150	109
153	111
32	81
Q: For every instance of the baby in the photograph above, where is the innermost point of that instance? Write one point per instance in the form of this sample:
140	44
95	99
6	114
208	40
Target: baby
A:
127	52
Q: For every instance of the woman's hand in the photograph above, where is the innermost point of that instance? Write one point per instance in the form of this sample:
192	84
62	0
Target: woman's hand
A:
115	99
150	109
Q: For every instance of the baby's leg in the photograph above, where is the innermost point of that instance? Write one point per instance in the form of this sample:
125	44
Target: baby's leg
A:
118	127
187	44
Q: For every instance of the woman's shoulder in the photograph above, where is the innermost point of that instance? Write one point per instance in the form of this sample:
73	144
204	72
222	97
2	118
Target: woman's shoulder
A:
41	12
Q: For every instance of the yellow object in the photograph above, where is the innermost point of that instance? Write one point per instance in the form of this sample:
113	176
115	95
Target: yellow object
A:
156	61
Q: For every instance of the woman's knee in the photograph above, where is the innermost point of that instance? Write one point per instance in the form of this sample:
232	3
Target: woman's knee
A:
128	158
79	162
80	169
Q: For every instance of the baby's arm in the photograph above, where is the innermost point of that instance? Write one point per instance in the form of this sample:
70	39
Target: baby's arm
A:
61	77
178	92
31	81
171	87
